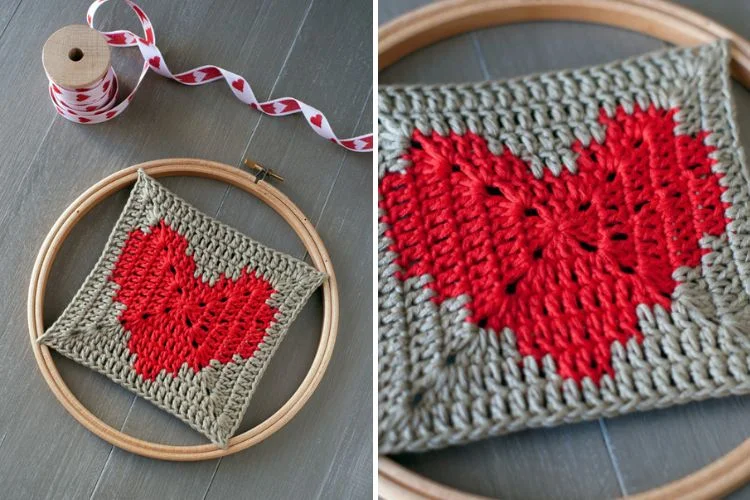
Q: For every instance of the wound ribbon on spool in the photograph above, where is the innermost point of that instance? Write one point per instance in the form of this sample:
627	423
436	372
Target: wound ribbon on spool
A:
96	101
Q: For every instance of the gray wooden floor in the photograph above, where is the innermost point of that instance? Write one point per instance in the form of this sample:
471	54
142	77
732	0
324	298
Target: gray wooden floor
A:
610	457
317	50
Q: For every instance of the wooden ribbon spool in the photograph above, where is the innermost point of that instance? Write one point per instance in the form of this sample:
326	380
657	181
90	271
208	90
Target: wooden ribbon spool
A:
76	56
192	168
657	18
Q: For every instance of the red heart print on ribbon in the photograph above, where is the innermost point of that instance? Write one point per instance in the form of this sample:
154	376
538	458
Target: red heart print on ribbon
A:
562	261
100	104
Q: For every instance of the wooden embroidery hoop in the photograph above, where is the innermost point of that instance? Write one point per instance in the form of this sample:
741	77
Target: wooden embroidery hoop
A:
659	19
192	168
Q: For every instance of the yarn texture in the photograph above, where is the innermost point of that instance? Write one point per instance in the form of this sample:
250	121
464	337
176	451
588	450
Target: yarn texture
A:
183	310
560	247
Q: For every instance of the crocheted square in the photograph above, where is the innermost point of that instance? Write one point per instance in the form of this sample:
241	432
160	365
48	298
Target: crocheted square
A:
183	310
560	247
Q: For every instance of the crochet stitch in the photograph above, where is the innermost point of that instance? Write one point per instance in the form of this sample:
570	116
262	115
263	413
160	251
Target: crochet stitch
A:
560	247
183	310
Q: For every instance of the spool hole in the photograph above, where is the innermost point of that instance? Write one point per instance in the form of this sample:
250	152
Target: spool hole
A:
75	54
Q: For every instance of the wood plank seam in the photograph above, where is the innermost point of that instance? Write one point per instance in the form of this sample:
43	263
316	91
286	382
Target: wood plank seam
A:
22	184
106	463
611	452
344	157
305	255
480	56
268	96
276	200
78	477
602	431
213	476
32	162
247	147
112	449
612	457
216	214
12	15
278	76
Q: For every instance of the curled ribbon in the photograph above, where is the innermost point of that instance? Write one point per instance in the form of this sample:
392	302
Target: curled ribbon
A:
97	103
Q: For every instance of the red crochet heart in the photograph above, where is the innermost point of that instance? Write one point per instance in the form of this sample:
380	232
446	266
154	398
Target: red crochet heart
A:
562	261
174	317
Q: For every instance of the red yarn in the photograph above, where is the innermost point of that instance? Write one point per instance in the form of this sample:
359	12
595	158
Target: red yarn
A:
562	261
174	317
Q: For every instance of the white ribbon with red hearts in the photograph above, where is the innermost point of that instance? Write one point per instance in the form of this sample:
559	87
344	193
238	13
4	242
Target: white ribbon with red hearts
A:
96	104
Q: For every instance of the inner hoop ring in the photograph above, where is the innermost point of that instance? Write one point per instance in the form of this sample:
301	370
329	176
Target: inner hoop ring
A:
190	168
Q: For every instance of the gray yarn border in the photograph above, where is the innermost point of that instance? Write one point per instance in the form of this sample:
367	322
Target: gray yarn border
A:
213	400
489	389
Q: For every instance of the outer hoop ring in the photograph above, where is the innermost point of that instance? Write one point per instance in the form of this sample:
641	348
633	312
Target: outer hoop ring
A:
657	18
193	168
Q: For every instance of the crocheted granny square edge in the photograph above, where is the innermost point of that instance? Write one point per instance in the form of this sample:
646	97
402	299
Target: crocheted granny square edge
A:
706	102
224	391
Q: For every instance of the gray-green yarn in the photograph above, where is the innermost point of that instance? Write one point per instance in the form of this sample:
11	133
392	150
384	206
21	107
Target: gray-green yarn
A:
699	349
213	399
